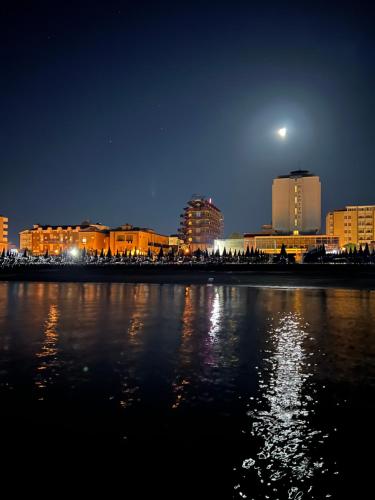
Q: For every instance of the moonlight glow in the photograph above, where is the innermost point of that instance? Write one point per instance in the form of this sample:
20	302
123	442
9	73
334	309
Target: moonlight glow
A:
282	132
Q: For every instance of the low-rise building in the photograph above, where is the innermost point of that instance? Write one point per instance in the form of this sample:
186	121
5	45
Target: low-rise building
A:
354	224
55	240
235	243
137	240
3	233
295	244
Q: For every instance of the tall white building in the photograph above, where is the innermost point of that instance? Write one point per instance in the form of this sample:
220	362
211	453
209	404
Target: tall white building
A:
296	203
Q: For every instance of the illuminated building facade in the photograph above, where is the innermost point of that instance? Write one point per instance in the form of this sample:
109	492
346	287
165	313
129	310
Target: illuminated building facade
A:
296	203
201	223
354	224
3	233
295	244
137	240
235	243
55	240
93	239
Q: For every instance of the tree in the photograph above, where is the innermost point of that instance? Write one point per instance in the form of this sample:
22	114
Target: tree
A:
247	254
161	254
102	254
224	254
355	254
171	255
3	254
109	253
149	254
366	251
283	252
96	255
46	255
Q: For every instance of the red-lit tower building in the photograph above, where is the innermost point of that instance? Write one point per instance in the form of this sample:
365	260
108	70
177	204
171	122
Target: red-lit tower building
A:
201	223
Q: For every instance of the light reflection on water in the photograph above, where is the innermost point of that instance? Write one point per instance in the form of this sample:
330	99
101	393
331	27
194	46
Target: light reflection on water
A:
283	466
49	364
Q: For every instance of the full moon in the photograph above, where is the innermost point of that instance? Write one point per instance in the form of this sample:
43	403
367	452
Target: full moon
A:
282	132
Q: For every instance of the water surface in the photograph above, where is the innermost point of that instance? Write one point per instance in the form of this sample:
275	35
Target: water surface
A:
222	391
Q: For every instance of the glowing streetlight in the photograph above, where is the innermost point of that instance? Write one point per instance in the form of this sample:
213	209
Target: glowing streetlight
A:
74	252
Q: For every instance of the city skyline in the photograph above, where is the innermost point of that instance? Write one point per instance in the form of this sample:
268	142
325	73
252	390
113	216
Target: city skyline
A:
118	113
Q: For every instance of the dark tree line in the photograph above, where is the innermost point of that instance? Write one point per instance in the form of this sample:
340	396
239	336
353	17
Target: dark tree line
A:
363	255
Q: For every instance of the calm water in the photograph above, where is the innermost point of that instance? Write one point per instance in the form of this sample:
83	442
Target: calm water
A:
222	392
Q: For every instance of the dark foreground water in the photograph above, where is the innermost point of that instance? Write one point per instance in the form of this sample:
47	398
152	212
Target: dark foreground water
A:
172	391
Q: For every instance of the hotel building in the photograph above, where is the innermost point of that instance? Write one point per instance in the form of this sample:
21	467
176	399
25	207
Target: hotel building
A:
354	224
58	239
201	223
93	238
296	203
3	233
137	240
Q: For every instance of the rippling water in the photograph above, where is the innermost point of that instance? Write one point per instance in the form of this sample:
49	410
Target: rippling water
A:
236	392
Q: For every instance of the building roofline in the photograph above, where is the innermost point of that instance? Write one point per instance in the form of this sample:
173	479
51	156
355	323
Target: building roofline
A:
297	173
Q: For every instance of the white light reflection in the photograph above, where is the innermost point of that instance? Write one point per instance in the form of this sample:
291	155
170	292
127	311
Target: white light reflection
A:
215	317
49	364
283	466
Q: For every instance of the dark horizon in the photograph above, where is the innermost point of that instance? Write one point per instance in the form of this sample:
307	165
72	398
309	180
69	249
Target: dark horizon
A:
117	112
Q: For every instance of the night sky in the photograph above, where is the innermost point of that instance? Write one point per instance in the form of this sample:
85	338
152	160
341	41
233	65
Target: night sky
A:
118	111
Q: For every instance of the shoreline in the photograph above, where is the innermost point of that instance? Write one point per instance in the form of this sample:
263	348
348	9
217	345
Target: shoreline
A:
299	275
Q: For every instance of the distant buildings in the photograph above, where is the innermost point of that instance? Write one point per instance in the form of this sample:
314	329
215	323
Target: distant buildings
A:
296	203
201	223
3	233
137	240
56	240
353	224
296	220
